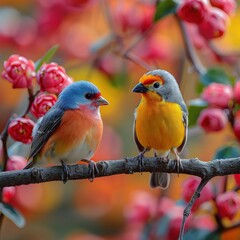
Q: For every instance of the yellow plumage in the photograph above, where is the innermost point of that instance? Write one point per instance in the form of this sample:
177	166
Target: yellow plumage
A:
159	124
161	120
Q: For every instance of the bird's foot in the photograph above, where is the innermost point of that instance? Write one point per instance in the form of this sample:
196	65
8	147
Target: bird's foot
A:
166	159
92	169
140	158
178	164
177	161
66	172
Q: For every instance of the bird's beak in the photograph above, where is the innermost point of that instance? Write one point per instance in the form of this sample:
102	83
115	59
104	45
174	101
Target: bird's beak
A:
101	101
140	88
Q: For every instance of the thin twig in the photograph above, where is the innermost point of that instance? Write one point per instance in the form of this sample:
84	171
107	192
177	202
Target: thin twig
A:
190	53
187	210
135	59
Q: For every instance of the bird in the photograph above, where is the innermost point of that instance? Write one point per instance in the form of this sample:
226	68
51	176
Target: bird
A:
160	120
71	130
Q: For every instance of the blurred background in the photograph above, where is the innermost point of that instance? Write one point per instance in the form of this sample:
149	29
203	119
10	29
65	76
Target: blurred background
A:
85	31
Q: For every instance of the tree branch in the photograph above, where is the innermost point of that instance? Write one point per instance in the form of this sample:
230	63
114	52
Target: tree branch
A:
193	166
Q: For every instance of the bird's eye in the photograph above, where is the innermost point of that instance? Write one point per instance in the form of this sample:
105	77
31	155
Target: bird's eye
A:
156	85
88	95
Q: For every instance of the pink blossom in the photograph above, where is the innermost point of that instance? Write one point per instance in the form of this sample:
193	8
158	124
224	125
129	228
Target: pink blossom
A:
19	71
212	119
228	6
228	204
193	11
214	25
236	92
53	78
20	129
140	208
8	194
190	186
16	162
42	103
218	95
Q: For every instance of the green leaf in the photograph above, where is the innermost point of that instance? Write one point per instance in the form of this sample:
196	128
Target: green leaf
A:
46	58
201	234
195	106
165	8
215	75
12	214
227	152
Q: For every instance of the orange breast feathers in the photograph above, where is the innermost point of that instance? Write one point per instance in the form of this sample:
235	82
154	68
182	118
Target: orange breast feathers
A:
77	127
159	125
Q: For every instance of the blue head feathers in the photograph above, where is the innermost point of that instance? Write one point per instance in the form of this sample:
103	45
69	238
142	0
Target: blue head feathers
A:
76	94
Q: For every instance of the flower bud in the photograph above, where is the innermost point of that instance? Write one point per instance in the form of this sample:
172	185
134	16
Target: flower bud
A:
141	208
193	11
134	17
236	125
237	179
174	218
19	71
20	129
189	187
218	95
42	103
236	92
8	194
214	24
228	6
16	162
212	119
228	204
53	78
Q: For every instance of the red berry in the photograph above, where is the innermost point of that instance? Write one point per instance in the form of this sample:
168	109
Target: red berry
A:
16	163
42	103
218	95
214	25
19	71
193	11
228	6
53	78
20	129
228	204
212	119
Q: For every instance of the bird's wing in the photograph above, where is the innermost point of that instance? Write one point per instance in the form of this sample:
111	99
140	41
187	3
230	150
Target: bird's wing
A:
46	127
139	145
185	122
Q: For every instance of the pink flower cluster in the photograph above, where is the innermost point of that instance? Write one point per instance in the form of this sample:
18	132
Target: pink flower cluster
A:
223	104
210	19
51	78
227	203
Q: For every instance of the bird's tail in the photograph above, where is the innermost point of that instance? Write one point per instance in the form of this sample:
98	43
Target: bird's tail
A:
159	179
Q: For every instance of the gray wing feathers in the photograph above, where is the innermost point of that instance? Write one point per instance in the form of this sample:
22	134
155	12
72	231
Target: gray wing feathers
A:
46	127
185	122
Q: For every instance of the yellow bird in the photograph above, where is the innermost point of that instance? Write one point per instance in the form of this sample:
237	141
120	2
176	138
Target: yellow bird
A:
161	120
